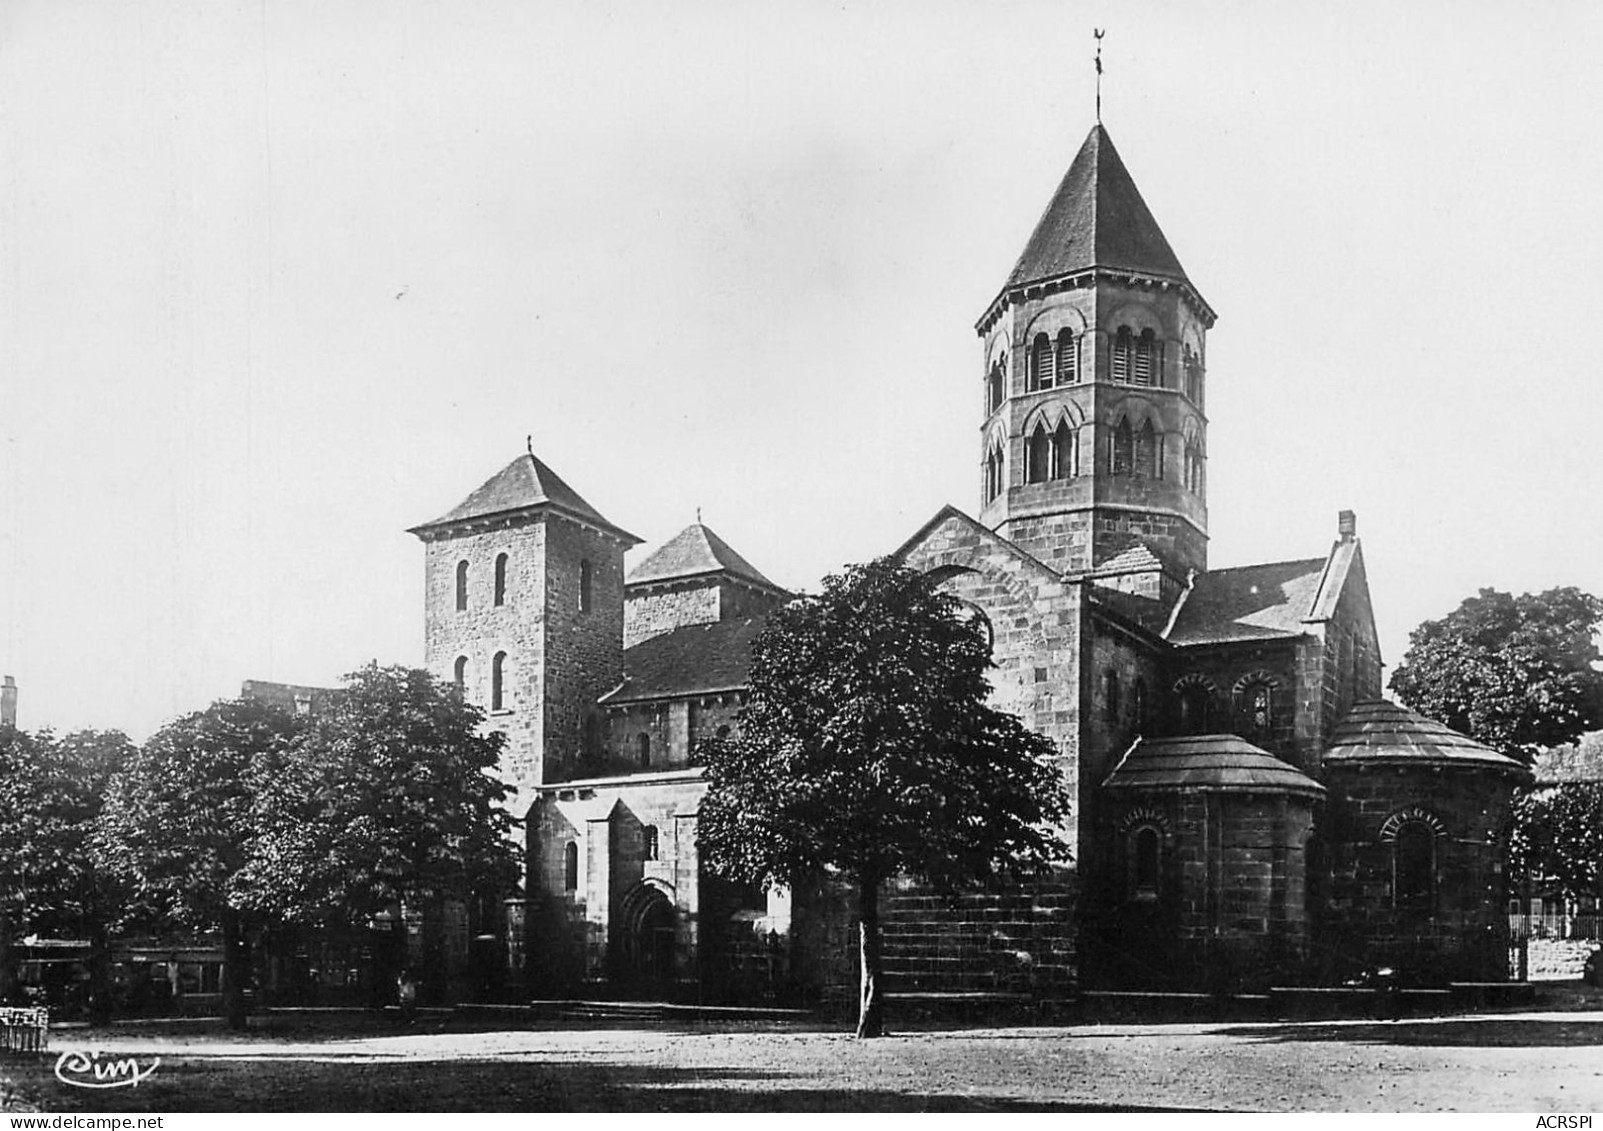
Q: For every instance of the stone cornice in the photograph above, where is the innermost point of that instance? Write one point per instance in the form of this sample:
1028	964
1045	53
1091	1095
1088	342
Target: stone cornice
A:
1076	280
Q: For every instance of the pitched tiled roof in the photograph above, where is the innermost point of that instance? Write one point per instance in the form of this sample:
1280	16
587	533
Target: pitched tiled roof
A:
1258	602
1380	732
1221	762
1096	219
521	485
694	660
695	550
1581	762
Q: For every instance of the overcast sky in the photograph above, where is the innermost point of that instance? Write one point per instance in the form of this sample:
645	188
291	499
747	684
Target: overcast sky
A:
279	280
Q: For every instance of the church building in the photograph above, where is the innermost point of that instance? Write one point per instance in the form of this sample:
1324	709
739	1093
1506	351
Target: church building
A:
1246	809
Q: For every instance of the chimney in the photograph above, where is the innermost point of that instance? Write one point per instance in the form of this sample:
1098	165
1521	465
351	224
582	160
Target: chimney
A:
1347	525
8	703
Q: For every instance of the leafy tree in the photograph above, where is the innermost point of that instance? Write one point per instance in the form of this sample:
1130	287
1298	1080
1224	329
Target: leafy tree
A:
1517	673
180	818
1558	837
389	800
867	749
52	793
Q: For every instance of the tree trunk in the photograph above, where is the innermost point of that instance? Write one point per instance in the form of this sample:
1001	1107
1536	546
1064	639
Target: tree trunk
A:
871	1002
235	971
99	973
8	966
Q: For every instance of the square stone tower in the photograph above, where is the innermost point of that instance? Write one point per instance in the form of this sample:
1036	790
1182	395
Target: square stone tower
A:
523	610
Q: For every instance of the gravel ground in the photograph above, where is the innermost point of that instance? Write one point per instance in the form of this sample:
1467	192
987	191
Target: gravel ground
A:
1531	1061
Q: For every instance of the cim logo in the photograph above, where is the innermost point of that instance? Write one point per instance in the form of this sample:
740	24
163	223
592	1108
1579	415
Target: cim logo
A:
86	1070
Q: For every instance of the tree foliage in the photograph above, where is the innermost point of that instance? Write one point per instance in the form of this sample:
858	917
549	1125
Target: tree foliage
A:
1517	673
180	824
52	882
1558	837
867	749
387	799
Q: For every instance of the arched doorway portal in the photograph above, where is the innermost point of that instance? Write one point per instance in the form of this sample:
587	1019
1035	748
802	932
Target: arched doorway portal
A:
649	923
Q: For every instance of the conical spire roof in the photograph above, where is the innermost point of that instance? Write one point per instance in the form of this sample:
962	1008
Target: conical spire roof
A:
695	550
1096	219
523	484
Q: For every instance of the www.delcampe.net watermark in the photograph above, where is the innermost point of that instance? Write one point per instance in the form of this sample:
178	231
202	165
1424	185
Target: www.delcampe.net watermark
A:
82	1068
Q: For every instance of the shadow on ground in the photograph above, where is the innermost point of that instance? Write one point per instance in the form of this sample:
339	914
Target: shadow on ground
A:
217	1085
1468	1033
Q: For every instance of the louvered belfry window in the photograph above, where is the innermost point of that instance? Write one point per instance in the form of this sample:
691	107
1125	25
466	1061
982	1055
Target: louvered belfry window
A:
1068	358
993	388
1144	351
1041	363
1123	347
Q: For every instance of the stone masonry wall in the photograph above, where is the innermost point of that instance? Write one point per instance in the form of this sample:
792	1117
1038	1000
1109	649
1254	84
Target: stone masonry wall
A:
1230	911
1224	666
516	627
582	934
652	611
583	649
1463	933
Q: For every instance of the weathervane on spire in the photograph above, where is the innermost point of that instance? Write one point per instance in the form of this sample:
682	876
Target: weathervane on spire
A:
528	442
1098	32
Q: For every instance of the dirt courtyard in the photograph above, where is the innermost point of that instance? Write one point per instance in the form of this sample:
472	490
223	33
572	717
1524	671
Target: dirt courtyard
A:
1542	1060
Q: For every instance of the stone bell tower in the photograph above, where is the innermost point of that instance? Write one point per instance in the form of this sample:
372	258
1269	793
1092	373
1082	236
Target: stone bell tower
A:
1093	449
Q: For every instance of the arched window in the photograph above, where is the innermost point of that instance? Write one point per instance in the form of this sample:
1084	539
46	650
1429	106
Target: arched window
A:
1041	371
1148	465
1123	359
1414	866
1065	452
461	585
1196	707
1146	859
460	676
1193	468
1111	696
1193	366
1148	360
500	579
1256	703
722	732
1121	449
586	586
570	867
993	472
643	749
993	387
498	681
649	842
1068	358
1038	455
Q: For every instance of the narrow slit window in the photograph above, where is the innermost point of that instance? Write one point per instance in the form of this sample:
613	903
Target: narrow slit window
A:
570	867
460	675
500	579
461	586
498	681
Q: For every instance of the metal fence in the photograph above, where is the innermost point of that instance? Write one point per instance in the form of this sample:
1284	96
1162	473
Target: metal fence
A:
24	1028
1555	926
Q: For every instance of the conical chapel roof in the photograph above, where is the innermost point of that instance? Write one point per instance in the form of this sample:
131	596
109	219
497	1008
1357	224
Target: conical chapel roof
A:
1096	219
